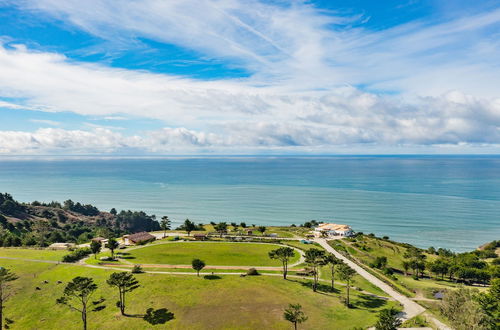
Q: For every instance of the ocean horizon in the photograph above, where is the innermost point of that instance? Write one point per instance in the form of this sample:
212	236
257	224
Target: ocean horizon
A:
449	201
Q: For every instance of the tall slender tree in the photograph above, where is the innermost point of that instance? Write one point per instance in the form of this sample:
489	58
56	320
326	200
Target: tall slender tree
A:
6	276
124	282
315	258
77	296
332	261
346	274
165	224
283	254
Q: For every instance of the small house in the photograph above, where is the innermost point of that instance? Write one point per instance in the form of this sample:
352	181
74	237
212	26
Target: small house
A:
249	232
61	246
332	230
138	238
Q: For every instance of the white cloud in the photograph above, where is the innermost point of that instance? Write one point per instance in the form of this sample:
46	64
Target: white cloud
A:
300	46
298	96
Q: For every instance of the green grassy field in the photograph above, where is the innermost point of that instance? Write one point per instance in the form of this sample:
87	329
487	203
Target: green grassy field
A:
37	254
213	253
227	302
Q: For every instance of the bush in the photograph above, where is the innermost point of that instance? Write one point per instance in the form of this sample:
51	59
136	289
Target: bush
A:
77	255
137	269
252	272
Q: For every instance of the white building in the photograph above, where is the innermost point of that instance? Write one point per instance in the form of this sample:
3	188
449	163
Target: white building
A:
332	230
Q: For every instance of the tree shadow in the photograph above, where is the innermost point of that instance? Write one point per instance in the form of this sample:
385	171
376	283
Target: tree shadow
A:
127	257
158	316
369	302
321	288
212	277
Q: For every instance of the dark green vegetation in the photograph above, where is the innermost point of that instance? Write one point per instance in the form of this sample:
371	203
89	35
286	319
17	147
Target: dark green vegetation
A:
388	320
470	309
41	224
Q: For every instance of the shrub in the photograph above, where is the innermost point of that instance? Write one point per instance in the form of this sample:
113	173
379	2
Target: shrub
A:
137	269
252	272
76	255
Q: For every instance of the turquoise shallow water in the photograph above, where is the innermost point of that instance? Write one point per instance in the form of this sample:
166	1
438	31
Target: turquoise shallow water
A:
451	202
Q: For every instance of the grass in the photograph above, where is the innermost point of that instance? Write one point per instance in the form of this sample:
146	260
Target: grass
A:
213	253
418	321
225	302
36	254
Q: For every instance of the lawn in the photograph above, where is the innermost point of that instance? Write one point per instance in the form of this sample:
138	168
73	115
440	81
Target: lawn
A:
36	254
213	253
225	302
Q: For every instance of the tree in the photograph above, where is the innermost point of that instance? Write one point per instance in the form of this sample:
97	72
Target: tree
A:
165	225
346	274
262	229
388	320
189	226
124	282
283	254
6	276
198	265
464	311
332	261
315	258
243	225
295	315
95	246
221	228
77	296
112	245
113	211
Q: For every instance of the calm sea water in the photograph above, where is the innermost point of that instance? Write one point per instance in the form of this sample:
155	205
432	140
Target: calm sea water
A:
451	202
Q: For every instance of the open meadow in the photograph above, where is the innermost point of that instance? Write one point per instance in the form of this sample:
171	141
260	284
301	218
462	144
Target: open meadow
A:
219	302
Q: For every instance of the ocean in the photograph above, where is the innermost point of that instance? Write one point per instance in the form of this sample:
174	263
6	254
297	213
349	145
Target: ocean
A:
442	201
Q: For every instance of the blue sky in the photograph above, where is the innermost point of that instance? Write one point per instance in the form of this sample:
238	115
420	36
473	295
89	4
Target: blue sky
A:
249	77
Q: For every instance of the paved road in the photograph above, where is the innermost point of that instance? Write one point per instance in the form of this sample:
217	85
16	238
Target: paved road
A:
410	308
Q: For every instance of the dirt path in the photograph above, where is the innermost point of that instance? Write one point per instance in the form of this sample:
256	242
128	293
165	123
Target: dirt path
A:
207	266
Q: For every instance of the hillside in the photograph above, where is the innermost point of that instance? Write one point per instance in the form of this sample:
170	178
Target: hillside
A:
40	224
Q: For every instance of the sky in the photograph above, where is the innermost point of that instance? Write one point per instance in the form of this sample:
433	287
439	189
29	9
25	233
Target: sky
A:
230	77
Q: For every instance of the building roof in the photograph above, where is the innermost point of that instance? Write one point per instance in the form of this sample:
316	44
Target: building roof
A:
142	236
333	226
200	235
98	239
